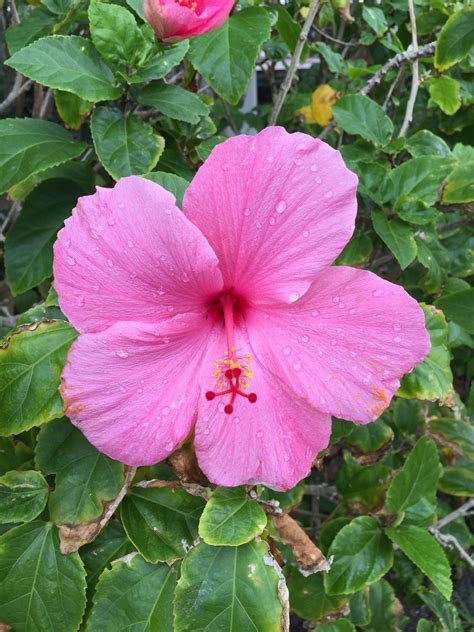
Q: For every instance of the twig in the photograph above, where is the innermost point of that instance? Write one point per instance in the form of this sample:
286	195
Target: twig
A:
334	39
415	81
45	108
392	88
295	60
462	511
394	62
17	90
11	216
445	539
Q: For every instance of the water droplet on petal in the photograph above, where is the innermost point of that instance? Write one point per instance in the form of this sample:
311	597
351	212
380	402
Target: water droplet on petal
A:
328	194
298	162
377	293
297	366
281	206
397	339
130	243
286	351
71	261
169	446
94	234
336	299
259	434
68	243
110	220
270	159
236	420
314	168
397	326
271	221
247	212
333	342
305	338
293	296
165	411
121	353
133	275
318	179
286	457
266	316
306	233
81	301
185	278
322	400
352	312
342	305
110	263
315	312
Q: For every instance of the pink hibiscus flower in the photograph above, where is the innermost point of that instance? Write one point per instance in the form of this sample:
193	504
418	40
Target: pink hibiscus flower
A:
227	317
174	20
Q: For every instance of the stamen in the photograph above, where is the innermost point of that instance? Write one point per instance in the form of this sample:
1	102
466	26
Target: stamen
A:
190	4
232	372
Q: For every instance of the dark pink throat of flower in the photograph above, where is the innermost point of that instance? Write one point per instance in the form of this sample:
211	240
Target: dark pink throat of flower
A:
233	372
190	4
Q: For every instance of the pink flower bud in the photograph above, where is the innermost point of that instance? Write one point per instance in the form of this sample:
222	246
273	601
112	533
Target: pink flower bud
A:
174	20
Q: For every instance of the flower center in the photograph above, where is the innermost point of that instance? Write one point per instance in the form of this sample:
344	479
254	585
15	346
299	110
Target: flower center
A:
232	372
190	4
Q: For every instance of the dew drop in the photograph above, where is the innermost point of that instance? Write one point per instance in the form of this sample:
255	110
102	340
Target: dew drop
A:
322	400
320	353
281	206
236	420
130	243
293	296
259	434
286	457
121	353
397	327
68	243
297	366
353	354
266	316
133	275
81	301
270	159
94	234
169	446
377	293
185	278
318	179
206	431
272	221
246	212
305	338
298	162
342	305
110	263
397	339
168	211
315	312
306	233
110	220
328	194
314	168
352	312
71	261
286	351
165	411
336	299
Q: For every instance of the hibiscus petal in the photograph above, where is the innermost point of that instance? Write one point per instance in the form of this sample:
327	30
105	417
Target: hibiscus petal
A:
277	208
132	389
344	345
129	253
272	441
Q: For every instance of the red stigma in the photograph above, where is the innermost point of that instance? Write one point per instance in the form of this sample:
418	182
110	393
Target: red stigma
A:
252	398
210	395
229	374
229	409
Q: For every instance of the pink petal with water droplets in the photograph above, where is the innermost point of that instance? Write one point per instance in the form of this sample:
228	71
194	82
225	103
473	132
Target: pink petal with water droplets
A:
345	344
272	441
128	253
133	389
277	208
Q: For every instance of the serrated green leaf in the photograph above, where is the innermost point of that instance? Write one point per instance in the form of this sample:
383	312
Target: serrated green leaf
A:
423	550
286	500
174	184
432	379
425	143
160	64
413	490
40	589
226	56
455	39
116	35
421	178
363	484
125	145
362	555
308	597
446	93
23	495
383	607
231	518
71	108
459	185
67	62
29	243
173	101
30	146
458	480
14	455
459	433
134	595
397	236
228	588
370	438
459	307
363	117
161	523
85	478
357	250
31	362
37	23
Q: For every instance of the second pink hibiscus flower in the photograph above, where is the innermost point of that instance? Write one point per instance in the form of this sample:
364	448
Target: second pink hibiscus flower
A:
227	317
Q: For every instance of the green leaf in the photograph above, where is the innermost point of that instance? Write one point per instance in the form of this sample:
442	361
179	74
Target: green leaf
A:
455	39
370	438
364	484
445	92
459	307
397	236
14	455
161	523
111	544
160	64
174	184
423	550
383	608
458	433
226	56
23	495
425	143
308	597
174	102
459	185
30	146
286	500
31	362
68	63
40	589
231	518
341	625
85	478
357	250
361	116
432	379
458	480
29	243
413	490
134	595
71	108
228	588
116	35
446	612
375	18
37	23
421	178
335	61
125	145
362	555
